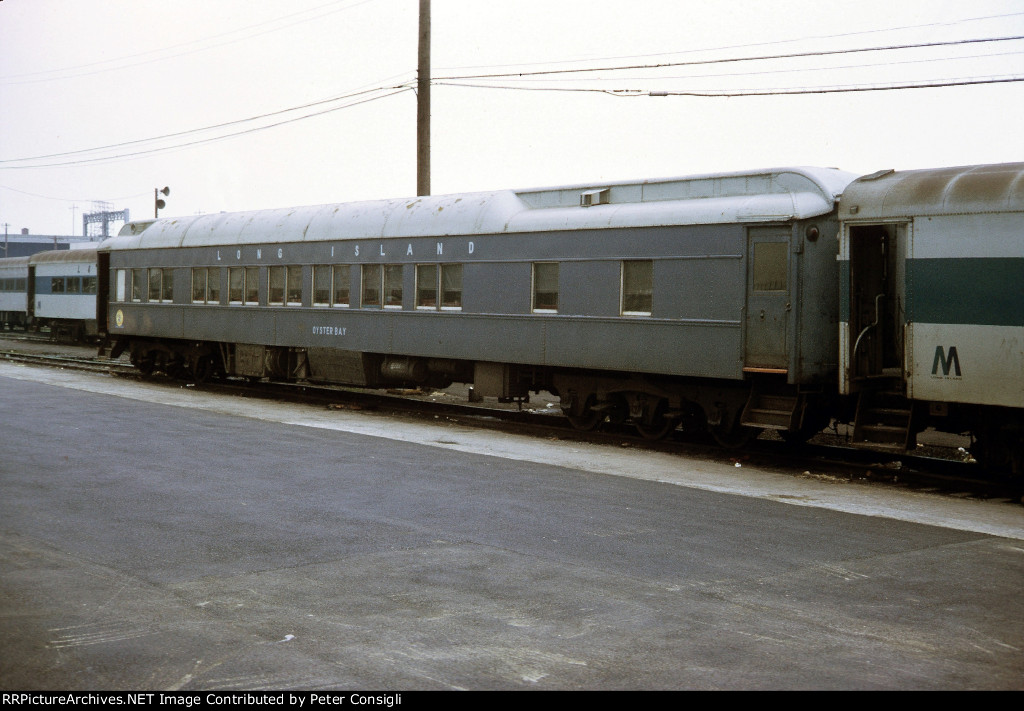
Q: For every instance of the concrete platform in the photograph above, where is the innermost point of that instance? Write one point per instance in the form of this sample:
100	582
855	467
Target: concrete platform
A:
159	537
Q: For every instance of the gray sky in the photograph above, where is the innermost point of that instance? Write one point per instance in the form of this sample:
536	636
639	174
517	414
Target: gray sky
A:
107	100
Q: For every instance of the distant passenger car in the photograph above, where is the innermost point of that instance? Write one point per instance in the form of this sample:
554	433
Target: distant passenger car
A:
13	292
57	289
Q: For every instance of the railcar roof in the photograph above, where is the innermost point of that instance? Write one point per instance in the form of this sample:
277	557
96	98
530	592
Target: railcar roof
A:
939	191
65	255
14	262
747	197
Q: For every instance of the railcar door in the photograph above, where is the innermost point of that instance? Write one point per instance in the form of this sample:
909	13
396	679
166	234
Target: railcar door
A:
768	299
876	300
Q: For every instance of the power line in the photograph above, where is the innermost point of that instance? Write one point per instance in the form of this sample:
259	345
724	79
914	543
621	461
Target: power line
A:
747	46
60	199
205	128
137	154
18	78
726	60
748	73
454	81
753	92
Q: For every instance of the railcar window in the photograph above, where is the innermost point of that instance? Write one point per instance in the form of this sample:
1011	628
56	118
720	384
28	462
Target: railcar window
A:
373	280
393	286
74	285
770	263
545	287
439	286
321	285
236	285
637	287
155	277
275	282
167	285
89	285
342	277
426	286
213	285
138	284
199	285
451	286
57	285
294	285
252	285
120	284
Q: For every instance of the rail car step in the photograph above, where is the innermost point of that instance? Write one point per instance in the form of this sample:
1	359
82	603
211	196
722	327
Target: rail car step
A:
772	411
884	417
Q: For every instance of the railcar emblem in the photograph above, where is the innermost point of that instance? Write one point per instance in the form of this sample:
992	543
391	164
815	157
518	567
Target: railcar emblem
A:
946	361
119	318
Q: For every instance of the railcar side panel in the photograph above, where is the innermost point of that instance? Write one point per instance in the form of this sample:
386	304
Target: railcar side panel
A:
637	298
965	309
13	291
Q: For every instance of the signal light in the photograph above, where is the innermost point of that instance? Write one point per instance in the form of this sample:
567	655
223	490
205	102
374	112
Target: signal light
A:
158	203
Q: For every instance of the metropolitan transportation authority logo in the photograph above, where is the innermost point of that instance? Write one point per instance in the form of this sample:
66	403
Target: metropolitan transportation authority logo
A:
947	361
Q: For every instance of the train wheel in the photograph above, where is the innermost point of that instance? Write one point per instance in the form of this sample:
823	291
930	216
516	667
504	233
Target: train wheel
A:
587	422
202	368
144	364
729	433
734	438
658	426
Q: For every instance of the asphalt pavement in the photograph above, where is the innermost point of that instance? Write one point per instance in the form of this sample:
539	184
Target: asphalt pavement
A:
147	545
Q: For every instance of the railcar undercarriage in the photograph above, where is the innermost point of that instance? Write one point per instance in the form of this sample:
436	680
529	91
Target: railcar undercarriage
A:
732	412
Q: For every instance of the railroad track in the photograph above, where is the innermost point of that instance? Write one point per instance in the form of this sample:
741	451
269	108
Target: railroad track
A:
70	362
944	470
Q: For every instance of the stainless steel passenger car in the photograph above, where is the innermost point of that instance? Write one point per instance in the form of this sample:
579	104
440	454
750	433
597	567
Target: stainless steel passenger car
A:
710	298
932	319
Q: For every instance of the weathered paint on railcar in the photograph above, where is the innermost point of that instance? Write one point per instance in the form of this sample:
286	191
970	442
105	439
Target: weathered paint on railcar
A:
695	231
959	256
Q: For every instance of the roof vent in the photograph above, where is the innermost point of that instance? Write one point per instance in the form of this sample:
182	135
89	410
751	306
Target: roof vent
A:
878	174
601	196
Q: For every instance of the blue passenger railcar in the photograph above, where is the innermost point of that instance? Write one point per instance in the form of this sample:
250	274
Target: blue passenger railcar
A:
710	297
932	319
13	292
64	288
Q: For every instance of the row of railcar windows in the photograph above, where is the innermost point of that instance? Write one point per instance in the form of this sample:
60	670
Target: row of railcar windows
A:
438	286
57	285
68	285
16	284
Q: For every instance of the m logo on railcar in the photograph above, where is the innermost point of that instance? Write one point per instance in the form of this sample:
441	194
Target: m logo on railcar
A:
946	361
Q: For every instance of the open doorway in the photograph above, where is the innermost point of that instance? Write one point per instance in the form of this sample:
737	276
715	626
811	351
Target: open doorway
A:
877	300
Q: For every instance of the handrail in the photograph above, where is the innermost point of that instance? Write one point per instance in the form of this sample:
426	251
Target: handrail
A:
853	353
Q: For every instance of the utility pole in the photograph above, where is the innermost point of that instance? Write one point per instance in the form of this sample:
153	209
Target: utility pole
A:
423	104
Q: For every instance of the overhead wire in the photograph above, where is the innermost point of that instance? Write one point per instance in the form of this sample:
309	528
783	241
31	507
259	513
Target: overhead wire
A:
747	45
214	139
725	93
563	74
727	60
207	128
26	78
748	73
